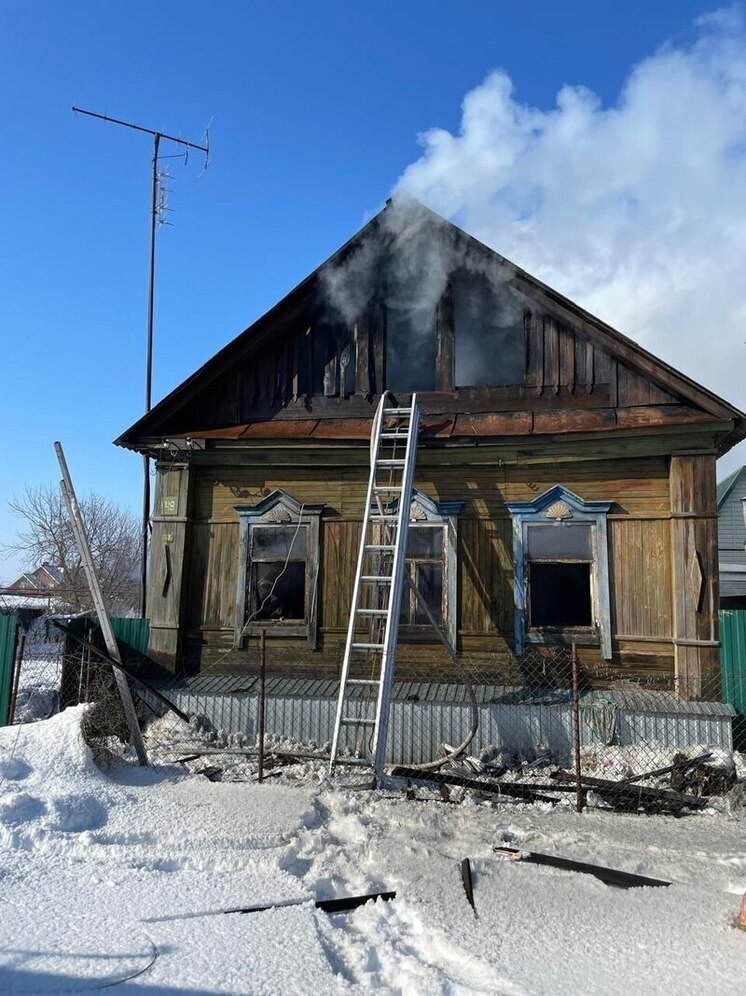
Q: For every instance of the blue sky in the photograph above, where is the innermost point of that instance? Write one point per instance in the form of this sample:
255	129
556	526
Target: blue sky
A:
316	111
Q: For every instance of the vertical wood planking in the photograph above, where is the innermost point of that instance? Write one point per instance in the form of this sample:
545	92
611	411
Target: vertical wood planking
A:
694	557
446	345
169	552
640	578
362	356
379	345
567	358
551	355
534	329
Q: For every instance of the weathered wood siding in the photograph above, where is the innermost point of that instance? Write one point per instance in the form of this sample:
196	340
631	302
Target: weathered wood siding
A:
640	552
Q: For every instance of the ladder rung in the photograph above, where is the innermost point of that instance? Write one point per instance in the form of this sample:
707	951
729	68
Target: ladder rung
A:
390	463
396	411
379	546
394	435
372	612
354	721
384	518
368	646
387	487
363	681
376	577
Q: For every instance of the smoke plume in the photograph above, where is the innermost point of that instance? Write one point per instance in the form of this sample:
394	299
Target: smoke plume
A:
635	209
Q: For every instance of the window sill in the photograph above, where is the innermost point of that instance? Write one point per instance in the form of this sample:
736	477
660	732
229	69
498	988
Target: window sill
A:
281	628
417	634
583	635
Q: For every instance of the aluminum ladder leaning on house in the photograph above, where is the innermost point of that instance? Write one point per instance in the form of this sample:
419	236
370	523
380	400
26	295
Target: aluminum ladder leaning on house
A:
376	596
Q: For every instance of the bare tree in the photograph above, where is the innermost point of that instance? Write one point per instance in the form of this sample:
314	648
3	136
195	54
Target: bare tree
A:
46	536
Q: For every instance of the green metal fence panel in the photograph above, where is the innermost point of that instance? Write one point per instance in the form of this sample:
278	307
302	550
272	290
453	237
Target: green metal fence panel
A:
8	641
733	667
132	632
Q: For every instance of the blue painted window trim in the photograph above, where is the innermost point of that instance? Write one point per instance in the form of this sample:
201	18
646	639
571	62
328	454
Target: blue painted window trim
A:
594	513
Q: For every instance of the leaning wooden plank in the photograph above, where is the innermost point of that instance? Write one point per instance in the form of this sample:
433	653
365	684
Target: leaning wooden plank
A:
512	789
84	548
609	876
636	795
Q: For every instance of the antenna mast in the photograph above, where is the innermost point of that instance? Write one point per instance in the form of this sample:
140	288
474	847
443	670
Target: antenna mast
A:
157	210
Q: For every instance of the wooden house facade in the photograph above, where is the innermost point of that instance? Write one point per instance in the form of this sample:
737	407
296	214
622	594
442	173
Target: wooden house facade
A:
565	477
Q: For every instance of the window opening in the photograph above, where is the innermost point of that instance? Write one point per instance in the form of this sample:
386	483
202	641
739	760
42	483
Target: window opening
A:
425	566
277	573
488	331
561	570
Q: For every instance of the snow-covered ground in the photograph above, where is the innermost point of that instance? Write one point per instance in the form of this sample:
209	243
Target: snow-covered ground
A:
105	876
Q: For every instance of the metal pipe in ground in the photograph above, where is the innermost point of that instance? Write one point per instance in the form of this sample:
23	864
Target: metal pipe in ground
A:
262	700
576	728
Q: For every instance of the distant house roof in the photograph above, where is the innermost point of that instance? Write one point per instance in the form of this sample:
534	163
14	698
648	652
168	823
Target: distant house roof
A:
731	496
729	483
35	583
54	572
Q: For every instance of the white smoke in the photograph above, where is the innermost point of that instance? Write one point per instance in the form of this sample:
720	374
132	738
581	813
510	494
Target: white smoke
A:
636	210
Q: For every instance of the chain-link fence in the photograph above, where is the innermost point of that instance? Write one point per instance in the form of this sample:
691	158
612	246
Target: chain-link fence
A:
550	725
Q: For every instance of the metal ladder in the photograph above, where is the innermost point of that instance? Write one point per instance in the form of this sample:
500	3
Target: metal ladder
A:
377	592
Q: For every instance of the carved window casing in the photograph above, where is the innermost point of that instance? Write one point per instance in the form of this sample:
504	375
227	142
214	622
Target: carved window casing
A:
561	564
278	569
432	563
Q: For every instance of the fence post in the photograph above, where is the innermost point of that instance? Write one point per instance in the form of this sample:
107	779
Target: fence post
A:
15	678
261	701
576	728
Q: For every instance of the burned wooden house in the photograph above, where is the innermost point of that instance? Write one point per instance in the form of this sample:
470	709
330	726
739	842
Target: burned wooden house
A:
565	477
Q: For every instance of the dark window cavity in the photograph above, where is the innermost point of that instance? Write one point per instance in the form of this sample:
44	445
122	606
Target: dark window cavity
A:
488	329
560	595
277	573
410	348
559	559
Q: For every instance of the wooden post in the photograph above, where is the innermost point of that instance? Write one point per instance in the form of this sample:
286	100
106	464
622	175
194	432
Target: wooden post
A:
261	701
694	561
18	661
168	545
576	728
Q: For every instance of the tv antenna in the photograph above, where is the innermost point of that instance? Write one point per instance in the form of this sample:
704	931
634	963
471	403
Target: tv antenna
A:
158	209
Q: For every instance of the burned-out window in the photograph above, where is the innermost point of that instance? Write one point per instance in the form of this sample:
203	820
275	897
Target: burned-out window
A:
332	358
561	574
410	347
278	568
488	331
277	573
559	562
426	567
